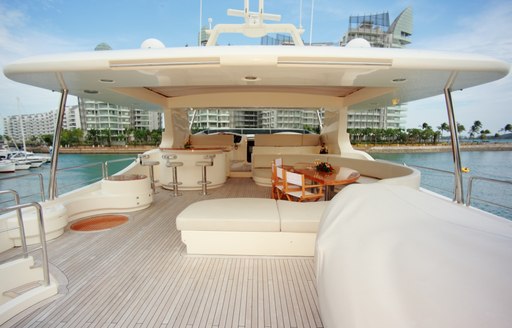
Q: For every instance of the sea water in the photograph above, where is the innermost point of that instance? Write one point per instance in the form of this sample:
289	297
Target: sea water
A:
490	164
75	171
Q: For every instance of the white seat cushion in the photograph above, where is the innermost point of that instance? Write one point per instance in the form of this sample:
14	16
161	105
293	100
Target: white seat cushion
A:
230	214
300	217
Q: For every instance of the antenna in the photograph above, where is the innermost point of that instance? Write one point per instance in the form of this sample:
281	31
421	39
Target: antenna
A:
200	22
254	25
311	23
254	18
300	15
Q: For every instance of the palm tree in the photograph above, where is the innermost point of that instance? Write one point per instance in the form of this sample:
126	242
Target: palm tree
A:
508	128
475	128
484	133
414	135
443	127
460	128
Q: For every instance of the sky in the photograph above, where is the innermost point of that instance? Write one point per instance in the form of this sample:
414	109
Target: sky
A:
34	27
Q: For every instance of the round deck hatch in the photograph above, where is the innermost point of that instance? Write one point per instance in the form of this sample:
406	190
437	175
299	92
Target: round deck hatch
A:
99	222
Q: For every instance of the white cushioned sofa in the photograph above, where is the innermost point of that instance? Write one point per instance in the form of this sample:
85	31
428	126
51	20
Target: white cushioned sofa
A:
250	226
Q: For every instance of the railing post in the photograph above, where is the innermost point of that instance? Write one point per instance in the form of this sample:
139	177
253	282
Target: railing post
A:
19	217
458	194
42	235
42	239
52	190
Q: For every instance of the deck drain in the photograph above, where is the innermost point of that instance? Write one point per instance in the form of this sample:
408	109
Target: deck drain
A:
99	222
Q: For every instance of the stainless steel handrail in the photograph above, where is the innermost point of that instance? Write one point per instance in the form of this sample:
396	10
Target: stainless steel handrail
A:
101	164
42	235
105	173
435	170
470	187
41	183
470	180
430	168
20	220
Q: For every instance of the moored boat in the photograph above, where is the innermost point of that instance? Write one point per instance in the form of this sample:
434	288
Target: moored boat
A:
22	165
7	166
150	257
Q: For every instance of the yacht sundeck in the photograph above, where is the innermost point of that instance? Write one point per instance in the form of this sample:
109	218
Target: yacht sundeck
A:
382	252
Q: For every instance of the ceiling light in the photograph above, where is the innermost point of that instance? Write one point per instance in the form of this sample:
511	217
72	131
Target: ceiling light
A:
251	78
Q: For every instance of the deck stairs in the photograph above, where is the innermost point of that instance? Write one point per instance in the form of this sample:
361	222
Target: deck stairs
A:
24	281
21	287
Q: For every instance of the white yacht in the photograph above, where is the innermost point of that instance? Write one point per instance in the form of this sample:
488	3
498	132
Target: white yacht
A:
206	245
7	166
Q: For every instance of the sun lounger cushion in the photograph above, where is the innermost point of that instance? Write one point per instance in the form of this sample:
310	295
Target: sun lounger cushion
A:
300	217
241	214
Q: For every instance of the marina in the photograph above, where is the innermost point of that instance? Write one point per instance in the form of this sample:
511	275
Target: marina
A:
216	229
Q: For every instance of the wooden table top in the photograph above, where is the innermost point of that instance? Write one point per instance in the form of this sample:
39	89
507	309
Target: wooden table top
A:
340	175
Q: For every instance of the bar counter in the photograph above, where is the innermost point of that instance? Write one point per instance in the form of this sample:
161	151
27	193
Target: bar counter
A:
190	174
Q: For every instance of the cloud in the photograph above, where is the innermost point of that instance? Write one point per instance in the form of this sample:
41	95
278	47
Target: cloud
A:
18	39
487	34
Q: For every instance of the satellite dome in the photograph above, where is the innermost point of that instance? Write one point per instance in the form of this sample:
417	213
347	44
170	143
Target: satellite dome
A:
358	43
152	44
102	46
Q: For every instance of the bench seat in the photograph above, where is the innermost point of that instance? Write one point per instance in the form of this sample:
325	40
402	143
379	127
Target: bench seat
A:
250	226
230	215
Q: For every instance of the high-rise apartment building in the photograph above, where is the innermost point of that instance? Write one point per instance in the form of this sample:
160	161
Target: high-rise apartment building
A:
71	118
377	30
88	115
103	116
23	127
204	119
27	126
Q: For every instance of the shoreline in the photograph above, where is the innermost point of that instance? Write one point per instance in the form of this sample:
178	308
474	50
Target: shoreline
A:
433	148
97	150
507	146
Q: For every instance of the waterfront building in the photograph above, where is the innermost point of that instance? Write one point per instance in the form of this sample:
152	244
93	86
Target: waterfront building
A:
377	30
88	115
103	117
209	118
71	118
27	126
143	119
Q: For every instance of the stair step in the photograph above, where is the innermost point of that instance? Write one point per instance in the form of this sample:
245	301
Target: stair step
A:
15	292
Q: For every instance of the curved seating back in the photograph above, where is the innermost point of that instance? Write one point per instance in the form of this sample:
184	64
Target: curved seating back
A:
382	171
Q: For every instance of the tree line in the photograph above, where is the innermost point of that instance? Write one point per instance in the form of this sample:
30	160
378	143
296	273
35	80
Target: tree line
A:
424	134
78	137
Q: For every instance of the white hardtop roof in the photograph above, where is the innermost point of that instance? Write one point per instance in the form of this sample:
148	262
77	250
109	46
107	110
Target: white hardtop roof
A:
174	77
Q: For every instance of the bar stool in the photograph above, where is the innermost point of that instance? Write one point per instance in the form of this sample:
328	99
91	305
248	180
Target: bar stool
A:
208	162
144	162
174	166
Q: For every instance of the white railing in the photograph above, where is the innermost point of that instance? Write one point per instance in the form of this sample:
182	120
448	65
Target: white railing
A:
471	190
42	235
